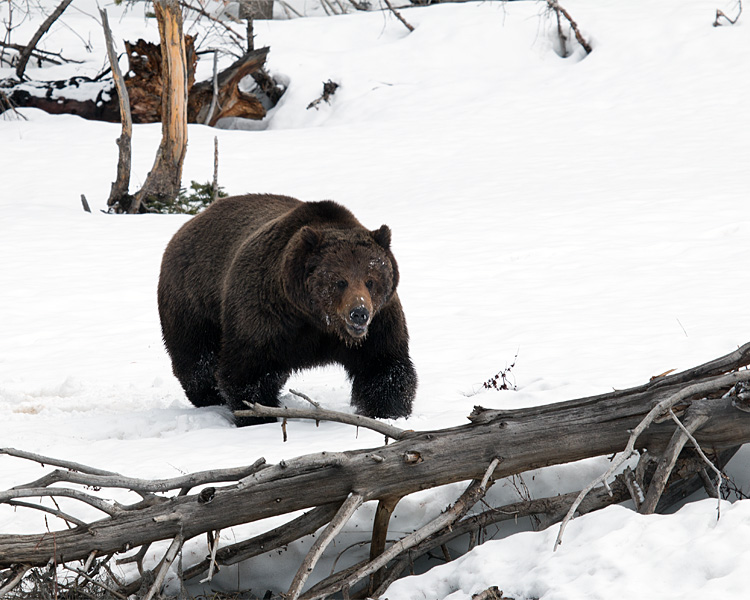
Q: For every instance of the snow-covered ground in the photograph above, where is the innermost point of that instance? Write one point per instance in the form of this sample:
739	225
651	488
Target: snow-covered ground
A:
588	214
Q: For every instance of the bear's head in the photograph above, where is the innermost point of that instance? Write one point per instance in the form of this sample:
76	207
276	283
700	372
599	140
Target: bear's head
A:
341	277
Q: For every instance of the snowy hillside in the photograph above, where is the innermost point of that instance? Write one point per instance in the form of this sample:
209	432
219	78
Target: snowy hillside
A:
586	217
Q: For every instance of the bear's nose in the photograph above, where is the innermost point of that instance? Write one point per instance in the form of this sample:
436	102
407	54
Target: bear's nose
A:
360	315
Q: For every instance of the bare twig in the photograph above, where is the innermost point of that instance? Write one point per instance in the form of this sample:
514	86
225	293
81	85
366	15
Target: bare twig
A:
54	462
553	5
213	546
104	506
259	410
114	480
52	511
720	14
166	562
305	397
348	508
23	57
234	37
668	460
699	450
43	55
398	15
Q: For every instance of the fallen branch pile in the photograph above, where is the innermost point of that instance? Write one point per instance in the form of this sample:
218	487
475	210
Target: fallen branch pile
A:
710	402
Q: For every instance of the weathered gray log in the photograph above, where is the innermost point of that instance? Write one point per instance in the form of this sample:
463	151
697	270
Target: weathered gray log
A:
522	439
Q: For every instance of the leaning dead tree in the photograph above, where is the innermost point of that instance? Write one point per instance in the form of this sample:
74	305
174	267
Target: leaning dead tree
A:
708	405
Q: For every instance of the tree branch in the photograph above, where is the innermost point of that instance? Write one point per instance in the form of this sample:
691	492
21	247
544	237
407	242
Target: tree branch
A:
115	480
665	405
25	54
398	16
344	513
469	498
321	414
693	420
166	562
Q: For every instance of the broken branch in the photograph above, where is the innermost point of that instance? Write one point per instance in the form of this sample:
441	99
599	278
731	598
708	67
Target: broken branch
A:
321	414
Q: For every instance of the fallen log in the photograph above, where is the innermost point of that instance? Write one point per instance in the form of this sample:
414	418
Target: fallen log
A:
97	100
496	443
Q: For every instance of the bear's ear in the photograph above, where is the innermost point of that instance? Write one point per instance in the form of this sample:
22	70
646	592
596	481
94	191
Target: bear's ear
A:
383	236
309	237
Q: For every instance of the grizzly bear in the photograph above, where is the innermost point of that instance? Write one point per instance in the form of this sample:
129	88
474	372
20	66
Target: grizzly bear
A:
259	286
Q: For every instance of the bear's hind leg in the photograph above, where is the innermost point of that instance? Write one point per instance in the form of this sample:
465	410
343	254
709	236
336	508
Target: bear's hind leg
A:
197	376
263	389
192	345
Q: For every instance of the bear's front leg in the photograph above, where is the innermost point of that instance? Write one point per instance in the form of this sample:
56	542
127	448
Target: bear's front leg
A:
239	383
385	389
384	381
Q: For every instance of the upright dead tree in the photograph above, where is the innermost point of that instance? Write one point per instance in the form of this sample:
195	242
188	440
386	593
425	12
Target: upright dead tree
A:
163	181
251	10
118	194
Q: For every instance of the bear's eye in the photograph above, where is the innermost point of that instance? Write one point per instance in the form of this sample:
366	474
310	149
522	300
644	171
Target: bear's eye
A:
342	284
369	283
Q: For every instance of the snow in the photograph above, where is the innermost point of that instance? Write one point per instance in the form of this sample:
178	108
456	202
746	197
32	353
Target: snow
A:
586	214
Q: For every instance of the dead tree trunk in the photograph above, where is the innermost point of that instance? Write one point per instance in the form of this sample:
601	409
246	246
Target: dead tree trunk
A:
119	193
163	182
251	10
497	443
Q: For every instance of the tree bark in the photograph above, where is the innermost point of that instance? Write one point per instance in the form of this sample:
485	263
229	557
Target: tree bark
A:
232	101
521	440
147	81
164	179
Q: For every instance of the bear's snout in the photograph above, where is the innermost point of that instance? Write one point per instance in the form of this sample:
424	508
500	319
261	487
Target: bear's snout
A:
357	318
360	316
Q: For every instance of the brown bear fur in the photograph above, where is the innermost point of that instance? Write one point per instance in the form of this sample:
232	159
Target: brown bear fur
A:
259	286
